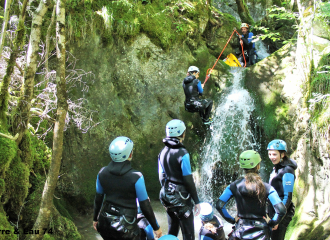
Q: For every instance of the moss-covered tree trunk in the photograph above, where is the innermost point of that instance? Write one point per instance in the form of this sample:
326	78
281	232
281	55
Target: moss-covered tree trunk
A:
62	108
22	112
10	67
244	12
48	38
4	24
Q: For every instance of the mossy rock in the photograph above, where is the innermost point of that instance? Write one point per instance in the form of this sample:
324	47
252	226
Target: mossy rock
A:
8	150
5	225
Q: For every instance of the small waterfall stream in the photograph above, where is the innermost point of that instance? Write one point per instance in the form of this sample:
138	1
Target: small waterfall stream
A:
231	134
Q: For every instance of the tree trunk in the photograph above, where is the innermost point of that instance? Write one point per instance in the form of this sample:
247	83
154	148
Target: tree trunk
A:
10	67
21	118
244	12
48	38
62	108
4	25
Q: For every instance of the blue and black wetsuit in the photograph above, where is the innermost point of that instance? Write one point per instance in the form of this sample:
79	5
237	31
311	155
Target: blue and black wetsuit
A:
119	185
282	179
251	224
178	188
193	89
249	47
206	234
146	231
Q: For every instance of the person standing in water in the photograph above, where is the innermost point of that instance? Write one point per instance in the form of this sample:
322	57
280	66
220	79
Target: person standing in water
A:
193	88
282	179
178	187
119	185
250	194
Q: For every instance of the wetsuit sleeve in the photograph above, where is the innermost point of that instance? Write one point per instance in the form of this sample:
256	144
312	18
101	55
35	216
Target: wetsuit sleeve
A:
205	238
199	87
221	205
149	232
188	180
185	165
278	206
288	183
141	193
161	174
98	199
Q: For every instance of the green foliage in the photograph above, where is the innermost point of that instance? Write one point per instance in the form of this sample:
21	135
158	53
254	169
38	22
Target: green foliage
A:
278	28
319	93
324	12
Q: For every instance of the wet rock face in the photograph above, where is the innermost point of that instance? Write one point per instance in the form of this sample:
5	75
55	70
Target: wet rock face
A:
137	90
279	85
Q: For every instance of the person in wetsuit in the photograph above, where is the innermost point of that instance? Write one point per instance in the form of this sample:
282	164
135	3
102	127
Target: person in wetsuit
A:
248	46
212	227
282	179
178	187
250	194
193	88
119	185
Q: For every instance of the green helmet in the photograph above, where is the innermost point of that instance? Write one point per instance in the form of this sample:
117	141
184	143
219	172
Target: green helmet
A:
249	159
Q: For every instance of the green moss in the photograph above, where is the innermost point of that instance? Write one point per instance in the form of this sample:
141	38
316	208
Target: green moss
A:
63	228
17	183
165	22
62	207
8	150
5	225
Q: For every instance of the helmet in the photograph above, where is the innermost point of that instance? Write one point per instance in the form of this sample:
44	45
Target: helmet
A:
168	237
120	149
245	25
249	159
175	128
278	145
193	69
206	213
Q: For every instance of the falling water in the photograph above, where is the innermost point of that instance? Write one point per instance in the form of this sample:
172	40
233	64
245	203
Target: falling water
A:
231	134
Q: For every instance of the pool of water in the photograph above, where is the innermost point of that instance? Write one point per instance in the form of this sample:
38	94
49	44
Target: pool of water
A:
85	223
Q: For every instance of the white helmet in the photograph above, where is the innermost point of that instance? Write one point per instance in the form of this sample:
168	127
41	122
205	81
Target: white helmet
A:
120	149
206	213
245	25
175	128
193	69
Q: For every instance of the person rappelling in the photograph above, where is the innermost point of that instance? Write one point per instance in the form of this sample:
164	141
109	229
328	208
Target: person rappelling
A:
193	88
248	45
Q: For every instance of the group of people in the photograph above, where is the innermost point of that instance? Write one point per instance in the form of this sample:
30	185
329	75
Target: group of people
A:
122	207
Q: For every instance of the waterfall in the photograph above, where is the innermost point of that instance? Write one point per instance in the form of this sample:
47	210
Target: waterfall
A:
230	135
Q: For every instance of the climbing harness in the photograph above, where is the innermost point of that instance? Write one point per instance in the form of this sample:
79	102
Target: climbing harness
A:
209	71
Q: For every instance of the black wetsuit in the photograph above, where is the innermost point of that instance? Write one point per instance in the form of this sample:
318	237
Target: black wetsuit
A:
248	47
193	89
282	179
178	188
206	234
251	224
119	185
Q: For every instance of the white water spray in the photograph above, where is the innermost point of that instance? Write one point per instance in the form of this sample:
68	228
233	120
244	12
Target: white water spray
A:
231	134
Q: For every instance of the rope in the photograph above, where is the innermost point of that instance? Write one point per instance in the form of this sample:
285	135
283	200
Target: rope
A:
209	71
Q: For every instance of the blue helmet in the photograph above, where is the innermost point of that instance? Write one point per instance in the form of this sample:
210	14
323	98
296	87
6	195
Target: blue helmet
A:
278	145
175	128
168	237
120	149
206	213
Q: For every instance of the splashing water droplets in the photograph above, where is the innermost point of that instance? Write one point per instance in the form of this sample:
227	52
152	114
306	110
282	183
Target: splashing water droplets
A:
231	134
